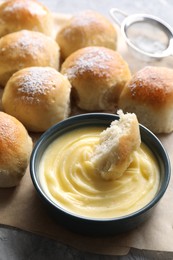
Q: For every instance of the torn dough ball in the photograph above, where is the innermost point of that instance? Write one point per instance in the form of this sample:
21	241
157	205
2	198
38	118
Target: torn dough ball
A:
117	143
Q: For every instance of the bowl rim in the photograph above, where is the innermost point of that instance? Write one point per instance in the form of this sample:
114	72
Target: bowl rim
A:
107	116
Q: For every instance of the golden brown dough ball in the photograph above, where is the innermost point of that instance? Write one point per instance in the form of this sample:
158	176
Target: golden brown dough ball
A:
97	76
37	96
87	28
25	49
149	95
16	15
15	150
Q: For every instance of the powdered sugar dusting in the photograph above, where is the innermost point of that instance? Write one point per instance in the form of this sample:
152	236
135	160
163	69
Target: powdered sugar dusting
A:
15	6
29	44
31	6
94	61
81	20
38	82
84	19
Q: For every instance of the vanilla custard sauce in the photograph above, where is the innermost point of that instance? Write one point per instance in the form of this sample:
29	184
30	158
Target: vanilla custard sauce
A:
70	180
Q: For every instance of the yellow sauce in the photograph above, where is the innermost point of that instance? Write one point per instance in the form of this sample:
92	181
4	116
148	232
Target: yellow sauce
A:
70	180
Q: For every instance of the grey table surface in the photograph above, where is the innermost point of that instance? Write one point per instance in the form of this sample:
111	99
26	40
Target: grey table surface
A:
17	244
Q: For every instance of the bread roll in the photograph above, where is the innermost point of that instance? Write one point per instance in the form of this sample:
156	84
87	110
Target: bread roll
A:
37	96
97	75
15	150
25	49
114	153
150	96
16	15
87	28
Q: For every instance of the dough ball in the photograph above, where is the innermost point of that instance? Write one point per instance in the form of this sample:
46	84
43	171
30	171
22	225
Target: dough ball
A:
97	76
15	150
87	28
16	15
39	97
23	49
149	95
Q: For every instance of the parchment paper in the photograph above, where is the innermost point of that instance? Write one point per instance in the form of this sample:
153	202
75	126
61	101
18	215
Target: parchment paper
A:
22	208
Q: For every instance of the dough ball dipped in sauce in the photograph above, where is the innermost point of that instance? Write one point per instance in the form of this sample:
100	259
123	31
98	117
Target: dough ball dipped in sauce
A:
114	153
71	178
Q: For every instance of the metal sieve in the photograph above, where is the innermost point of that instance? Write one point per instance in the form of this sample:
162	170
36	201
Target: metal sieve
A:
146	34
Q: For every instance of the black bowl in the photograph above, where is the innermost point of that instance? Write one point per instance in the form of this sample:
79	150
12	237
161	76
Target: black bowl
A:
98	226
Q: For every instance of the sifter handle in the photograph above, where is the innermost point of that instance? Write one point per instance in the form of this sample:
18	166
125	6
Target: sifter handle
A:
114	11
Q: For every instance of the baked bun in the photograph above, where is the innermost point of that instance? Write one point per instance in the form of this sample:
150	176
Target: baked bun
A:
16	15
25	49
39	97
97	75
117	144
15	150
149	95
87	28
